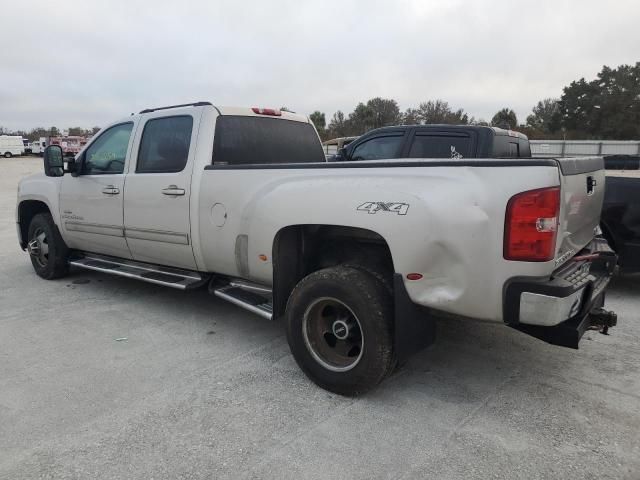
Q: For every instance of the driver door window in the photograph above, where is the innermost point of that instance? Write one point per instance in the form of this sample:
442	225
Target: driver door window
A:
108	152
378	148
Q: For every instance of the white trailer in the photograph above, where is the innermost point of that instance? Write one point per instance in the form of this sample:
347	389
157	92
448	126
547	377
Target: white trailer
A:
11	145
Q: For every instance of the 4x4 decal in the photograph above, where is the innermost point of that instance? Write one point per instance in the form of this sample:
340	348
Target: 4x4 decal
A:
392	207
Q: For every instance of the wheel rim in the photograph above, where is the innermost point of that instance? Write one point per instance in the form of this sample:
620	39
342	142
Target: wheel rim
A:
39	247
333	334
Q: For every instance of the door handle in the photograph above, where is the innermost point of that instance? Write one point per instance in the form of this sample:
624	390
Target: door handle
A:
173	190
111	190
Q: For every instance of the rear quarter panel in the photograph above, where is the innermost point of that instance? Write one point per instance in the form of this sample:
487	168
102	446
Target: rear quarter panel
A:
452	232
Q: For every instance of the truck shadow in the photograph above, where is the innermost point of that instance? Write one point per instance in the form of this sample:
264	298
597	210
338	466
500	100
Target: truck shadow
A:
469	359
479	357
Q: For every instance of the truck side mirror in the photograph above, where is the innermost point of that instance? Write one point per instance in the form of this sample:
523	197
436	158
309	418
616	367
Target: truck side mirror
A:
342	155
53	161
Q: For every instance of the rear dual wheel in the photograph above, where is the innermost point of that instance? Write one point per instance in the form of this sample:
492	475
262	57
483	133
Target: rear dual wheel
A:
339	328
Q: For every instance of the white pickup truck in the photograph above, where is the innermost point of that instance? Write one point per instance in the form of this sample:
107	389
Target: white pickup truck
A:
357	256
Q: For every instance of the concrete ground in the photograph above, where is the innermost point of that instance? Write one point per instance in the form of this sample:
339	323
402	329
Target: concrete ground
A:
103	377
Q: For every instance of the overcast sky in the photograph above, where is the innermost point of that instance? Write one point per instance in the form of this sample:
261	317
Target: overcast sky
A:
87	63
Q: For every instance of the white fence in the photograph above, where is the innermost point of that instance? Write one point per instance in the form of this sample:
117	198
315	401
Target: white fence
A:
576	148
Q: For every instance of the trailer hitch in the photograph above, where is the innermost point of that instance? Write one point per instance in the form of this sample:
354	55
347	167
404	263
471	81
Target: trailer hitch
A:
601	319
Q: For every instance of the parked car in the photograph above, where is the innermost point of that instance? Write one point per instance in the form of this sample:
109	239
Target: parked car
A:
11	145
621	210
331	147
348	253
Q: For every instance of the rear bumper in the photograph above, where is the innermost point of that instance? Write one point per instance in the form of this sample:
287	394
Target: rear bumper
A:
560	309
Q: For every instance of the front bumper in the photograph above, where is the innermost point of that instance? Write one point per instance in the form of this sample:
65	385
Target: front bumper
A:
560	309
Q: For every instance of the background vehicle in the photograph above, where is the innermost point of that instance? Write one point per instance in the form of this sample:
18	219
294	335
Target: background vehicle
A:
621	209
349	253
11	145
436	141
331	147
37	146
70	144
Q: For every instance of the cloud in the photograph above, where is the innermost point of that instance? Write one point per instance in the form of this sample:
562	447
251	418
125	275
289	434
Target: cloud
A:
87	63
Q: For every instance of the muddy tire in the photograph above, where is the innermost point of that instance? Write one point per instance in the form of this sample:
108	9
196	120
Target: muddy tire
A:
47	250
340	329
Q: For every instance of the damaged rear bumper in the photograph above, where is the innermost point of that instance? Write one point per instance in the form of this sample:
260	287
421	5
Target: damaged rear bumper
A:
560	309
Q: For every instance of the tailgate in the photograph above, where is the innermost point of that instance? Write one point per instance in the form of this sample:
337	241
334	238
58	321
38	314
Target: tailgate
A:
582	182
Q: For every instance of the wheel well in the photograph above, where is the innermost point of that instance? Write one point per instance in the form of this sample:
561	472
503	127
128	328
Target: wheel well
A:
299	250
26	211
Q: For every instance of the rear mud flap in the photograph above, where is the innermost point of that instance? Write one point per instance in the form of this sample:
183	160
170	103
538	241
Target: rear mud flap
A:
414	328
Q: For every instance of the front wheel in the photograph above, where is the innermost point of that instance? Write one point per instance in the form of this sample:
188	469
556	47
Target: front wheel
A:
339	329
7	154
47	250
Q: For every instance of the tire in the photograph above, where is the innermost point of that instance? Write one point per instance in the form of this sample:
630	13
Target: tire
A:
7	154
47	250
339	329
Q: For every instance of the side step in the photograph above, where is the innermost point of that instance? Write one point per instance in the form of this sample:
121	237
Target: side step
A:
246	295
166	276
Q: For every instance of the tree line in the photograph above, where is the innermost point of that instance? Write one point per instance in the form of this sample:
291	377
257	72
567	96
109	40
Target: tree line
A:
607	108
35	133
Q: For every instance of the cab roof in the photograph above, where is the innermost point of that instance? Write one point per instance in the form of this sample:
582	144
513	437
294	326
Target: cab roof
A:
238	111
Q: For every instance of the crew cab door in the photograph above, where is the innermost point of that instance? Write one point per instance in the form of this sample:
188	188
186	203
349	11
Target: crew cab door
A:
91	203
156	201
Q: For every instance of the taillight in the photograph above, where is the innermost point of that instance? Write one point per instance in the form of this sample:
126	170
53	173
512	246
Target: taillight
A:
531	225
267	111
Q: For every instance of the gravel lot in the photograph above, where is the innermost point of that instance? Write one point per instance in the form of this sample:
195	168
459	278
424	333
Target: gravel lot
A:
102	377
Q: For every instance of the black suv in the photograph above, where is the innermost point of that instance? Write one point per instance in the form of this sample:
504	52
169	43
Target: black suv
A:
436	141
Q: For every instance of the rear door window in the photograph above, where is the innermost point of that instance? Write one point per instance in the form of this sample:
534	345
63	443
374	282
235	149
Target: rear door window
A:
378	148
440	146
164	147
245	140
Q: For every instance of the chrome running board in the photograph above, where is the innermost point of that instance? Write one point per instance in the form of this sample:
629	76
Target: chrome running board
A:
245	295
147	272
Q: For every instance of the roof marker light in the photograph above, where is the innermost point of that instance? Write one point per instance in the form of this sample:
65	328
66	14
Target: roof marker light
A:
267	111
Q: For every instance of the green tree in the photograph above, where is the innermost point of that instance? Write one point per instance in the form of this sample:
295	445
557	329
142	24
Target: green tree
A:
338	126
360	120
545	116
377	112
54	132
439	111
505	118
411	116
607	107
94	130
318	119
384	112
36	133
76	131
